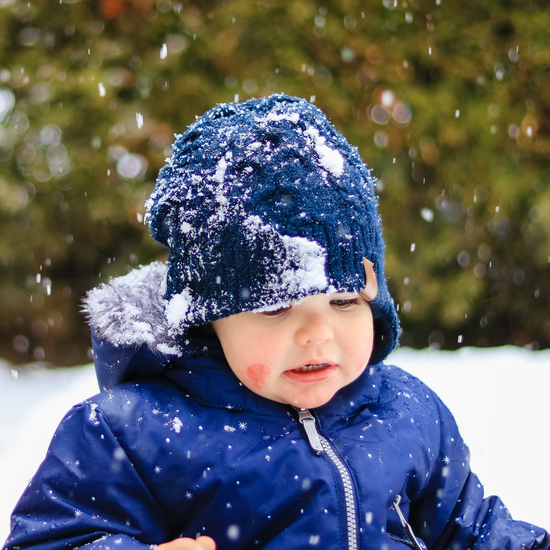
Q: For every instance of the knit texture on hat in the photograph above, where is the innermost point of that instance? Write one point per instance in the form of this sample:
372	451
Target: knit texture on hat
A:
263	203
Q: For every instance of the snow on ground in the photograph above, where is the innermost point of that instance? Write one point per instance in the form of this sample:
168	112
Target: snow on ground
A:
499	397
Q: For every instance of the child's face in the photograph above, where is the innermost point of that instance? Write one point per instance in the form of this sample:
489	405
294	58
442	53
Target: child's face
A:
301	355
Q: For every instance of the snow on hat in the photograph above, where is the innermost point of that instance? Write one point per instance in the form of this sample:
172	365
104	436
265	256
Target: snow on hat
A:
263	203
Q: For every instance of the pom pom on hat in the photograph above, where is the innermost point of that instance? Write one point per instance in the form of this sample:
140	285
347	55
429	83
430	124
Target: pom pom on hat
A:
263	203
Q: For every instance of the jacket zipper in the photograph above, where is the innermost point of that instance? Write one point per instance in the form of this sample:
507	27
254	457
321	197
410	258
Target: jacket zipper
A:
407	529
320	444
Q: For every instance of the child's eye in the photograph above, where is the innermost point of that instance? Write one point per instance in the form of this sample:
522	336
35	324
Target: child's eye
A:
276	312
345	303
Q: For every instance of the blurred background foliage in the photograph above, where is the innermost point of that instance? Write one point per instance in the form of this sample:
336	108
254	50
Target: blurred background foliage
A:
448	101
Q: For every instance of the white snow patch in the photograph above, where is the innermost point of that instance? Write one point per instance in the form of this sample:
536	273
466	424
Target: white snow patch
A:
144	329
308	256
221	167
185	227
311	259
178	308
93	413
274	117
177	425
255	145
169	350
330	159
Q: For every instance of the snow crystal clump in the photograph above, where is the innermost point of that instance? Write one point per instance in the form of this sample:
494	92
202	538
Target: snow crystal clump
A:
93	413
185	227
311	260
145	330
330	159
303	267
168	350
274	117
178	308
222	167
177	425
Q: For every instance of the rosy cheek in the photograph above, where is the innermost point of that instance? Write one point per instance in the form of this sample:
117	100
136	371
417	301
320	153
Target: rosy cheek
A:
360	360
257	374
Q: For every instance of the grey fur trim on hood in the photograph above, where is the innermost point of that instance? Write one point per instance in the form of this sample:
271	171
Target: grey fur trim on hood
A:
128	310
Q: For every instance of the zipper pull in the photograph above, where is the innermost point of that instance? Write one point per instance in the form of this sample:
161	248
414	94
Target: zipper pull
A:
308	421
405	526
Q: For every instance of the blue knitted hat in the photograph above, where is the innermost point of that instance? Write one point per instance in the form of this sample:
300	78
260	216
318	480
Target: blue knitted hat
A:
262	203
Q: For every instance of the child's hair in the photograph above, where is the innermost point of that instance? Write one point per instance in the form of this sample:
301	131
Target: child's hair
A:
263	203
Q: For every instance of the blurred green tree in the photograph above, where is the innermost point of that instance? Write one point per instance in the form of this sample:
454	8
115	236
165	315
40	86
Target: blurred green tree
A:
447	101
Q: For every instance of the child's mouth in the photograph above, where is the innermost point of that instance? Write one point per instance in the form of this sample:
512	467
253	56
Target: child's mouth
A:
313	372
311	368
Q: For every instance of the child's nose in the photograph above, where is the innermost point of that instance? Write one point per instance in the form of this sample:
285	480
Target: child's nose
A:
315	329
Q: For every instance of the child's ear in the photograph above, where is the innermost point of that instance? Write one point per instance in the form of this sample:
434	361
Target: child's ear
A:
371	288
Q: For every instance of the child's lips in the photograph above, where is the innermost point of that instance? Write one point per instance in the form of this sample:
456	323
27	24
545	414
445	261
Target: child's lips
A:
313	371
311	368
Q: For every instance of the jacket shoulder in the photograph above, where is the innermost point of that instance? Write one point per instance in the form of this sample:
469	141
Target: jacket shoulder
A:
398	384
130	399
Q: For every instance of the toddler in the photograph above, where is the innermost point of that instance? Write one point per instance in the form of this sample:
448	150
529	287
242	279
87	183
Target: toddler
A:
244	400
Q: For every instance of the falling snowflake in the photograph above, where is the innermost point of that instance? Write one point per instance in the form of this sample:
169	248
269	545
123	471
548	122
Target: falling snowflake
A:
229	428
352	403
128	524
228	505
77	513
242	425
188	495
157	469
267	457
446	459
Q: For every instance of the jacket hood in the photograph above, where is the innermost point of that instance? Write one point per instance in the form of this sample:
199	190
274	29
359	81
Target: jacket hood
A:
128	311
130	334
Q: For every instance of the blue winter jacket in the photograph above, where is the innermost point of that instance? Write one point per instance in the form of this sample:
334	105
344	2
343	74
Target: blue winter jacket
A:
188	450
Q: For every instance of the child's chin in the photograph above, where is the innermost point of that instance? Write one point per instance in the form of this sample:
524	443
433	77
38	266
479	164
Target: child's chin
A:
311	401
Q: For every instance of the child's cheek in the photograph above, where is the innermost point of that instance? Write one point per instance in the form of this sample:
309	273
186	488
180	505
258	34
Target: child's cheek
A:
361	359
257	374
